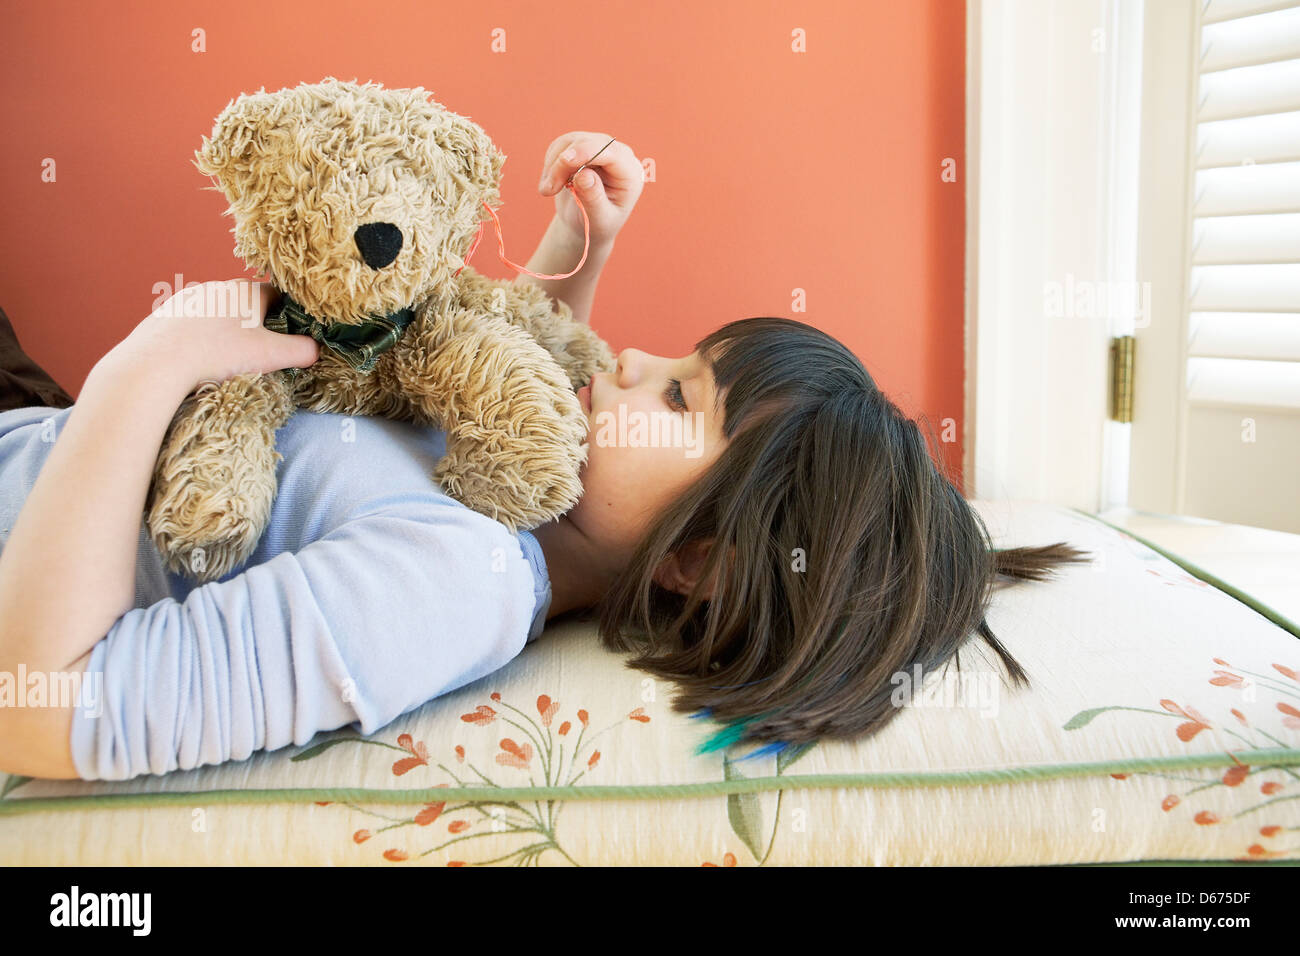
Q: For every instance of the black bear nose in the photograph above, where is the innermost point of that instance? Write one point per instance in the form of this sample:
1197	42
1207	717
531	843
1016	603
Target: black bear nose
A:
379	242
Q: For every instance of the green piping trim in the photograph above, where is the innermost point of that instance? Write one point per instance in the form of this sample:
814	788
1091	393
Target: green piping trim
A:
1275	616
1277	757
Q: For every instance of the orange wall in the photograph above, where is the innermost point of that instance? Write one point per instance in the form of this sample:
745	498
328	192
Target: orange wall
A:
774	170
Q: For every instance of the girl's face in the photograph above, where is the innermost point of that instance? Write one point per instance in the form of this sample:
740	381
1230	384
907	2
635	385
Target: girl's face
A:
648	443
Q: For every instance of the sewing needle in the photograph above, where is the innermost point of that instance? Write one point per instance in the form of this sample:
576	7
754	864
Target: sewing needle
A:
584	165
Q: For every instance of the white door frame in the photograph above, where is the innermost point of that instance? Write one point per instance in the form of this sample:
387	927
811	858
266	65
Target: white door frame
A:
1053	105
1164	257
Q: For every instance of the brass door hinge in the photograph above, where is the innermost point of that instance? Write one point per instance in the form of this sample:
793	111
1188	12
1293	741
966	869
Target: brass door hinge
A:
1121	378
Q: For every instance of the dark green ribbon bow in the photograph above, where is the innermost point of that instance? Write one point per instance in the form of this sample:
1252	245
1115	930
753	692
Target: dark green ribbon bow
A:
358	345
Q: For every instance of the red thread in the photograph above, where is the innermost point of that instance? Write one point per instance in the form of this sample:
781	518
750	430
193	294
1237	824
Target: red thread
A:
501	242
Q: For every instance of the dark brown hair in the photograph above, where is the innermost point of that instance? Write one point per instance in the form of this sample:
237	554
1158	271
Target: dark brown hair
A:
843	556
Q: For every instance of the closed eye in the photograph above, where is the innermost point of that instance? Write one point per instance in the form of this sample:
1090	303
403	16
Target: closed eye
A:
673	393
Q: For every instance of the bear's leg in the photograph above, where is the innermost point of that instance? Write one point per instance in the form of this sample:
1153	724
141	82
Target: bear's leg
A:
214	481
574	345
516	433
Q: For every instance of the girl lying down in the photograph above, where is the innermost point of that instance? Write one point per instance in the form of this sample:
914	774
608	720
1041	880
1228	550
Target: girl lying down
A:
802	551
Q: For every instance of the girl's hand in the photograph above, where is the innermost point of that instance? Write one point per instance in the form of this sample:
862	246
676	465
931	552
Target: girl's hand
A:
213	331
608	187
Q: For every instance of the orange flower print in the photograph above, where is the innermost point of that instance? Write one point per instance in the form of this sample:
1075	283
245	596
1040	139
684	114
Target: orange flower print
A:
1220	660
533	750
1257	852
1226	679
1287	672
728	859
1236	775
430	813
1292	719
1179	580
515	755
322	803
1195	722
482	715
431	810
1188	723
419	751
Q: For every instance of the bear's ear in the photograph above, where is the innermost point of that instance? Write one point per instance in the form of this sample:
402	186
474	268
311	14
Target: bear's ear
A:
238	139
474	156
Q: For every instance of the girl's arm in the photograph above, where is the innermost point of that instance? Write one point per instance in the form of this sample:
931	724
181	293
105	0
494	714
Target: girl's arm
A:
557	254
309	639
608	189
67	571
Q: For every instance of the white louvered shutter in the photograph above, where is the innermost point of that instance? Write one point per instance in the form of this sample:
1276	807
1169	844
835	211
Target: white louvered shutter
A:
1243	288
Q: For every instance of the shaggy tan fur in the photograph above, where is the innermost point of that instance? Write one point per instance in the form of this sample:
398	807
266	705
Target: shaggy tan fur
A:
489	361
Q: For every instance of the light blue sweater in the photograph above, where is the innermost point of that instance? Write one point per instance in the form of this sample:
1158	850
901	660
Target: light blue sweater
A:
370	592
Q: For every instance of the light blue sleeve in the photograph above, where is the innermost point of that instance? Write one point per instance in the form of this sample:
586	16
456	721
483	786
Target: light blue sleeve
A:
400	604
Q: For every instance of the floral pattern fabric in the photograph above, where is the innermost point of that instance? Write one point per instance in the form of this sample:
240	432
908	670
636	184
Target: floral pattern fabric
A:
1163	723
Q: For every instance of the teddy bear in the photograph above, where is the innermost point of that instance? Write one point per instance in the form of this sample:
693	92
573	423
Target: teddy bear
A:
361	203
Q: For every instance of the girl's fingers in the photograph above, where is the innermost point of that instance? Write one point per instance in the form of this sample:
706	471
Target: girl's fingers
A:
275	350
558	145
280	350
588	182
572	152
569	144
302	351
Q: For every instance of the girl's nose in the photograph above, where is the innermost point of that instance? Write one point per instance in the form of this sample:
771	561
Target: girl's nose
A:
627	362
